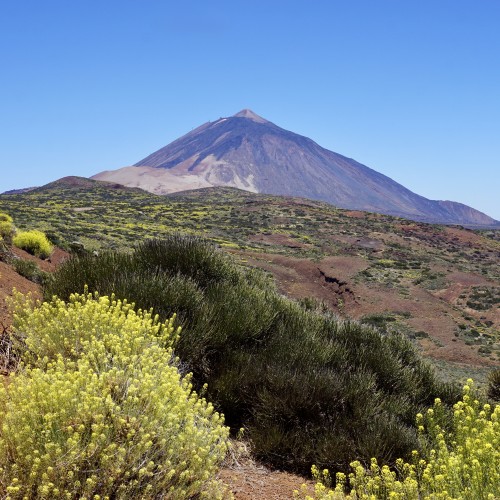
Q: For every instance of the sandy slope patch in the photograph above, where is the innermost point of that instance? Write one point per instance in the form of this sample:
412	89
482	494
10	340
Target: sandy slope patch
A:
252	482
278	239
249	480
154	180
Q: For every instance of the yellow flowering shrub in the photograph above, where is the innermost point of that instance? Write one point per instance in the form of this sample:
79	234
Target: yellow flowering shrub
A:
460	463
34	242
106	414
68	329
7	228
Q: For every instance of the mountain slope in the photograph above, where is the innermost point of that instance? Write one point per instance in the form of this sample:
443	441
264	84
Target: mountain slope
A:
248	152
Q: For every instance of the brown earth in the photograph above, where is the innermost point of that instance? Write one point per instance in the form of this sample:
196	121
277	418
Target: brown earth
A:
249	480
333	281
256	482
9	279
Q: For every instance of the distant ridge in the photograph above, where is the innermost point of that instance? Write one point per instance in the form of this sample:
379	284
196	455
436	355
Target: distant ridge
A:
19	191
249	152
75	182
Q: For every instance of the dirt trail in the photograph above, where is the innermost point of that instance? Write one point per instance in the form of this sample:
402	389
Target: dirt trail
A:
253	482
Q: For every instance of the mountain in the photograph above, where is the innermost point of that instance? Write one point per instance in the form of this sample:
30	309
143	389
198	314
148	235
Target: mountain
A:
249	152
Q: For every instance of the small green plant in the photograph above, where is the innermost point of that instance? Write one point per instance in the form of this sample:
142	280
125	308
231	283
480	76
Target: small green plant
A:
34	242
459	460
31	271
99	409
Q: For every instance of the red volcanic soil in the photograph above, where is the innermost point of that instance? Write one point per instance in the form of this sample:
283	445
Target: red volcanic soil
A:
57	258
9	279
332	281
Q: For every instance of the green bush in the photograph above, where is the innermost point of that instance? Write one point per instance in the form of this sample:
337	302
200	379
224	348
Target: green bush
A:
494	385
34	242
31	271
188	256
307	387
100	409
460	462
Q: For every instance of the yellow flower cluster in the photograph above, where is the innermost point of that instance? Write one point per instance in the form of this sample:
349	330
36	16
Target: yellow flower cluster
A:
462	463
55	328
7	228
34	242
99	409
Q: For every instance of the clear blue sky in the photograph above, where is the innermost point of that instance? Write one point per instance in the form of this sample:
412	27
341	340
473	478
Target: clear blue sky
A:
409	88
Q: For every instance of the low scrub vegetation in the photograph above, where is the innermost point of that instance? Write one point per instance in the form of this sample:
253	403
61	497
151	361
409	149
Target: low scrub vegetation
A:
98	408
306	386
98	216
31	271
34	242
457	461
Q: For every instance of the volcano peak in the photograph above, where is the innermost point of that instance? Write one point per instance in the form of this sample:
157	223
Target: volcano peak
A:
248	113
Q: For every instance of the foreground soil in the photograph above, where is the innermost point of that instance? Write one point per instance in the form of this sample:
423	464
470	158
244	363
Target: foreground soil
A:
254	482
249	480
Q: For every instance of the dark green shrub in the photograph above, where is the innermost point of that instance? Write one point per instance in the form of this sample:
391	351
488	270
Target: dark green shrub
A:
494	385
313	304
378	320
5	254
184	255
31	271
55	238
308	387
